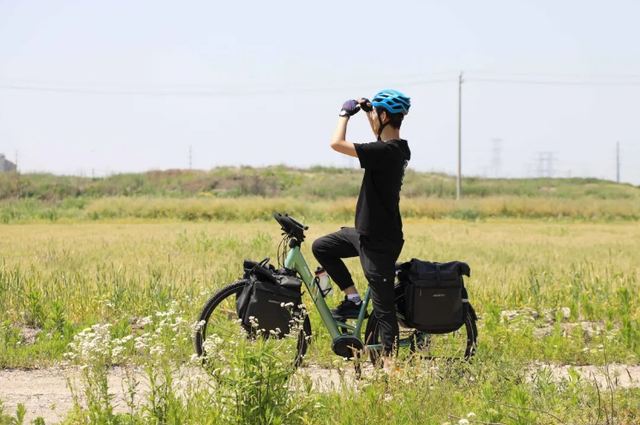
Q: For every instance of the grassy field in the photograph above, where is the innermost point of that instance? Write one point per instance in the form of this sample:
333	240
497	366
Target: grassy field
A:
153	278
336	211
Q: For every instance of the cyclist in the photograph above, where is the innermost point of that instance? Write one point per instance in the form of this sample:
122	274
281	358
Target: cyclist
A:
377	237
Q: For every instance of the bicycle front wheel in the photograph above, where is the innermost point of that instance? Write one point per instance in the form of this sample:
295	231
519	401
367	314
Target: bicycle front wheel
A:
219	322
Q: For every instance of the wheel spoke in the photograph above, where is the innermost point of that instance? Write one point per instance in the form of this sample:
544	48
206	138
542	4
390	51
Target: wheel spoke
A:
455	345
220	324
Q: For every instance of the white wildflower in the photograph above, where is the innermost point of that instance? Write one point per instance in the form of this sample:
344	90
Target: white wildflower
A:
145	321
157	349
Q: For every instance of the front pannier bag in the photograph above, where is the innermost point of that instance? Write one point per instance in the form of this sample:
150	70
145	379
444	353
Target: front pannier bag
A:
270	298
436	300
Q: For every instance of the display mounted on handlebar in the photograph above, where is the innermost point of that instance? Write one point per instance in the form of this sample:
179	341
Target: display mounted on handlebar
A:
291	226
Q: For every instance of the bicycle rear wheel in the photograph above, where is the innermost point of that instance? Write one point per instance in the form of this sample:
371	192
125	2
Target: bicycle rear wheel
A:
460	344
219	321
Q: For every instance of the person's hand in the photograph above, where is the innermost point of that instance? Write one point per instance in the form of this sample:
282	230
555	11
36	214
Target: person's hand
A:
365	104
349	108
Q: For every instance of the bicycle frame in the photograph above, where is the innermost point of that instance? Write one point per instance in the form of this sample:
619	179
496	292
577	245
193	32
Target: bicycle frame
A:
295	261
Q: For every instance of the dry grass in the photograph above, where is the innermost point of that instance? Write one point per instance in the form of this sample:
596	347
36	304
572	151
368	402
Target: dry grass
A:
343	209
57	279
195	258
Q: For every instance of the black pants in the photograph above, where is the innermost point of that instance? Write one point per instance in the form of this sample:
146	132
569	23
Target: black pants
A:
378	258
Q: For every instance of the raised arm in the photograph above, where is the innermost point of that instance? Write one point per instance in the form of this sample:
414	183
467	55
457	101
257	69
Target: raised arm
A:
349	108
338	142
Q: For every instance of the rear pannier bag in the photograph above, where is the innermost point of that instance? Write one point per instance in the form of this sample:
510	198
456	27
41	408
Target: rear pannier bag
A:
270	298
435	299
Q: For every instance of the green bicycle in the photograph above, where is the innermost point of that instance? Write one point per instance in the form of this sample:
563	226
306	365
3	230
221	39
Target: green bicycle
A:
219	315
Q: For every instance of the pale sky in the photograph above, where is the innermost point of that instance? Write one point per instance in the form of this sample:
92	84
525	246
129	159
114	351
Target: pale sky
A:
120	86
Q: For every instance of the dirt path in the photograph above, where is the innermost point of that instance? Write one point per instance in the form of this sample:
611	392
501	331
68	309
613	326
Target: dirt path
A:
45	392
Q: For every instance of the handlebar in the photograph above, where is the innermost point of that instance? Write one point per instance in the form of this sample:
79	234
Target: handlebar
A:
297	222
291	226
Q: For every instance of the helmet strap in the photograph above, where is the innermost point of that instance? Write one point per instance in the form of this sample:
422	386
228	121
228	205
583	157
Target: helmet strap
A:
382	126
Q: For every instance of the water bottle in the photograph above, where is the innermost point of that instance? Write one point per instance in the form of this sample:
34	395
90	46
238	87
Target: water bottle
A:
322	277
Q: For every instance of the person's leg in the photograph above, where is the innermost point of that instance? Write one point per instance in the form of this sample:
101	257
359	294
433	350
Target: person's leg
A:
329	250
378	258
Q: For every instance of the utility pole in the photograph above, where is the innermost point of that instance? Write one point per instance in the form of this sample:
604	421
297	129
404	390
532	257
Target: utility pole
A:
540	170
496	160
618	162
550	170
190	157
545	167
459	181
18	182
545	164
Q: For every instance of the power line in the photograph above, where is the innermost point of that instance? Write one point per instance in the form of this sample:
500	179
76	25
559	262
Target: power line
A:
558	75
498	76
556	83
197	93
204	91
361	80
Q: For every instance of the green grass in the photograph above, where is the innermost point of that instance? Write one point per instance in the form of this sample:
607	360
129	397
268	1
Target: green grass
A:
341	210
318	193
58	279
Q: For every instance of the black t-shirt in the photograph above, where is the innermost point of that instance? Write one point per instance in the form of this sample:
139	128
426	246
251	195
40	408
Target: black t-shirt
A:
378	208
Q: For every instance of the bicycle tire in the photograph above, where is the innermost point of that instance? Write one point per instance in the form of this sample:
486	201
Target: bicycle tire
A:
229	293
372	336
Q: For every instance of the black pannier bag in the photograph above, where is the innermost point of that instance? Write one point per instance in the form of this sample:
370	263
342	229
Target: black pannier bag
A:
263	297
435	299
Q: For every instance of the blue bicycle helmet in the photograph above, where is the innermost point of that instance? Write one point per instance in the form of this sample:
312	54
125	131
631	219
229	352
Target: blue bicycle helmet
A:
393	101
